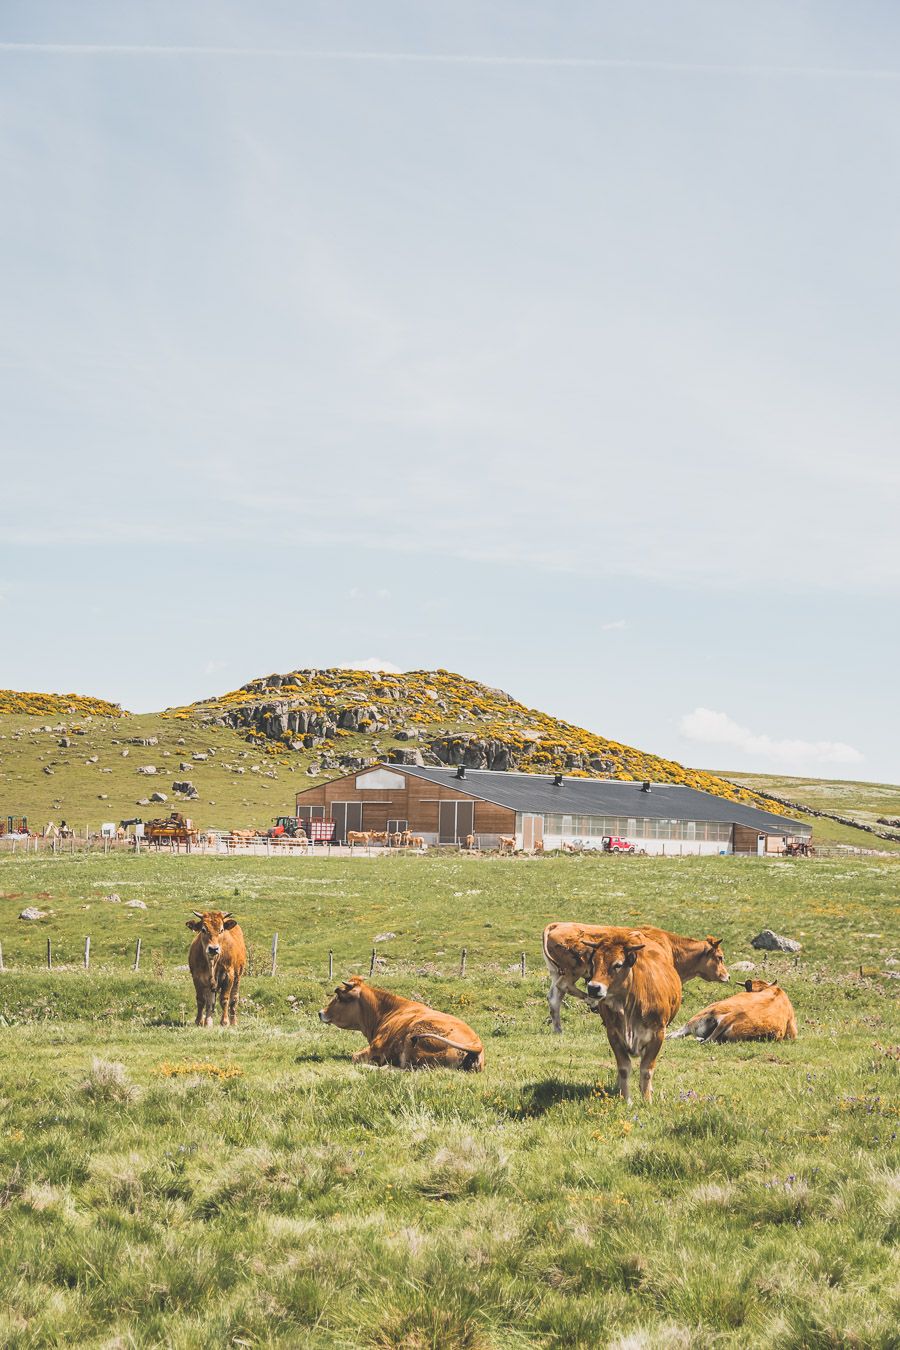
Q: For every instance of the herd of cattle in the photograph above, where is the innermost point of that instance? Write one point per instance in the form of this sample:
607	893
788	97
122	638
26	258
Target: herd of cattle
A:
633	978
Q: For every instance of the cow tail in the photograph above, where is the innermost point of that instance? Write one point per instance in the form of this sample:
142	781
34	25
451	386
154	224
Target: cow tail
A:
551	964
470	1056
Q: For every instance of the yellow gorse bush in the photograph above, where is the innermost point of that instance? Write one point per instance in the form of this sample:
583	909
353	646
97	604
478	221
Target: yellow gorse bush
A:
191	1067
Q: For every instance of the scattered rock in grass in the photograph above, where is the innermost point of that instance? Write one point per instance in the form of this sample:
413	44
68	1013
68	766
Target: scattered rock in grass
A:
113	898
383	937
199	755
125	754
158	797
147	769
743	965
767	941
103	796
142	801
30	912
135	904
48	770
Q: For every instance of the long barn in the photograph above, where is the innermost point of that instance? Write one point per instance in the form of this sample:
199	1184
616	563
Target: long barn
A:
446	805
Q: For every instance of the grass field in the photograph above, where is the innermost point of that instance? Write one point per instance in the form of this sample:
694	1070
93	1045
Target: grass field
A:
168	1186
864	802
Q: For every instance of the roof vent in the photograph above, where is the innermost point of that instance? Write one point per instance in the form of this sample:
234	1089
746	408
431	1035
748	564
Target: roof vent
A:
557	780
461	771
645	787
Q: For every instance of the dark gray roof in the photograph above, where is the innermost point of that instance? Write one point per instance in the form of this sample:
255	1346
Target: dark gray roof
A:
536	793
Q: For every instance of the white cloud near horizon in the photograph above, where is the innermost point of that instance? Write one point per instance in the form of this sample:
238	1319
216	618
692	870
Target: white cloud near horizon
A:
373	663
704	726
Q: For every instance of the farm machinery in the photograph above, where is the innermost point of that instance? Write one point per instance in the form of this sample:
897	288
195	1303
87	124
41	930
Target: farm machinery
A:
14	825
174	830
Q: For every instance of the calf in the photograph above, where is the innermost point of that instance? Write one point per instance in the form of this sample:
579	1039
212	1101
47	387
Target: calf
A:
637	993
567	955
358	837
402	1033
216	960
762	1013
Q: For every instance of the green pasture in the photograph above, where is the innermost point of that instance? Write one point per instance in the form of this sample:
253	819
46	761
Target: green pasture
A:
163	1185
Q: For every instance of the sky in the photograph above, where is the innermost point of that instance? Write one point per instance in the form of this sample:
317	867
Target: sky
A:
555	345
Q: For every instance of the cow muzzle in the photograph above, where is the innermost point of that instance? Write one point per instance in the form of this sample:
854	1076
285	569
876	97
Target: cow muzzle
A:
596	990
323	1016
212	951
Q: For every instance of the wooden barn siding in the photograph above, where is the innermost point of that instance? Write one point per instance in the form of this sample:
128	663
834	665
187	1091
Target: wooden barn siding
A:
417	803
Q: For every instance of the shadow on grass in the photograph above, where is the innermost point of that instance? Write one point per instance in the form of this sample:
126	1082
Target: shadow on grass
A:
536	1099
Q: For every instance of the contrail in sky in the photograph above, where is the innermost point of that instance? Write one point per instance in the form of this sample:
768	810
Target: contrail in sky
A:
448	59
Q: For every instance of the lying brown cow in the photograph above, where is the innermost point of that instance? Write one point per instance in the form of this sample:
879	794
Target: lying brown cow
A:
637	993
762	1013
568	959
401	1033
216	961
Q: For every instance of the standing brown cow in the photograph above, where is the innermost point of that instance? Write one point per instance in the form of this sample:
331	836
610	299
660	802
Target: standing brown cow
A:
567	953
637	992
216	961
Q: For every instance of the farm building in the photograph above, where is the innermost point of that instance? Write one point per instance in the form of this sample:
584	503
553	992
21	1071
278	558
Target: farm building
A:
445	805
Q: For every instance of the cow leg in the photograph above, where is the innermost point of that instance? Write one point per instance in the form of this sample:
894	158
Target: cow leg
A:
361	1056
623	1062
209	1006
555	999
233	1002
225	998
201	1005
648	1063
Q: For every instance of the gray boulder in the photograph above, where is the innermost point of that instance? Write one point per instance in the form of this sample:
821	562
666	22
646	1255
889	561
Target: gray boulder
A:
32	913
158	797
767	941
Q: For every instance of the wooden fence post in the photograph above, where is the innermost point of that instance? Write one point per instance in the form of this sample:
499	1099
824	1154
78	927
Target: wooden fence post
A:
87	953
522	966
462	962
274	952
137	954
49	956
331	965
372	963
1	955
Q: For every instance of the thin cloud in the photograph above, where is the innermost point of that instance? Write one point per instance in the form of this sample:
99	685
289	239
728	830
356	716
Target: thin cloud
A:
616	624
448	59
373	663
707	727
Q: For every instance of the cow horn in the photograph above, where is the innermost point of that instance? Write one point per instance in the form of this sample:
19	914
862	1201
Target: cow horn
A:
197	913
227	914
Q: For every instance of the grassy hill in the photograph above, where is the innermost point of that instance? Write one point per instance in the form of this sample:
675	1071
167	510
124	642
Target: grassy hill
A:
864	803
247	752
164	1185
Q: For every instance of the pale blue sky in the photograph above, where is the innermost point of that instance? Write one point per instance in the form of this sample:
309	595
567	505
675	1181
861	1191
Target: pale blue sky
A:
552	344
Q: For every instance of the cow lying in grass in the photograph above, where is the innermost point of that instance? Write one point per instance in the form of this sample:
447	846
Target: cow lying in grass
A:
216	960
762	1013
637	992
567	953
402	1033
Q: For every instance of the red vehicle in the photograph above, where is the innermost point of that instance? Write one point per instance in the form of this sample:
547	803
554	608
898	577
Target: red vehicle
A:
614	844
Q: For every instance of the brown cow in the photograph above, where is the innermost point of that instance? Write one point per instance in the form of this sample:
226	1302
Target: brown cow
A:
216	960
568	959
401	1033
359	837
507	843
762	1013
637	992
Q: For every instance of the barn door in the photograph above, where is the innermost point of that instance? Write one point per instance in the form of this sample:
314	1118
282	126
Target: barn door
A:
532	832
455	821
346	816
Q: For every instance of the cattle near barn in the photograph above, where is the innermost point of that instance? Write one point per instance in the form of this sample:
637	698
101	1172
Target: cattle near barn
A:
217	960
540	812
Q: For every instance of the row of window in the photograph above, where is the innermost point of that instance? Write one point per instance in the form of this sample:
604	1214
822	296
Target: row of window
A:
630	827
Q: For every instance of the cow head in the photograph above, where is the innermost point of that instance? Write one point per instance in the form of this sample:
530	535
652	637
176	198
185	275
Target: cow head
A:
712	962
611	966
211	925
345	1008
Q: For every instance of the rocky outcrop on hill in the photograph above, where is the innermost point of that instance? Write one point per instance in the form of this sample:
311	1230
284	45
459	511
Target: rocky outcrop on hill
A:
350	718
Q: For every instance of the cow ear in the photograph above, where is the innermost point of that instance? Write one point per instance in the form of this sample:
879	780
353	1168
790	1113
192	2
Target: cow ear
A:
714	942
748	985
195	924
631	954
230	923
